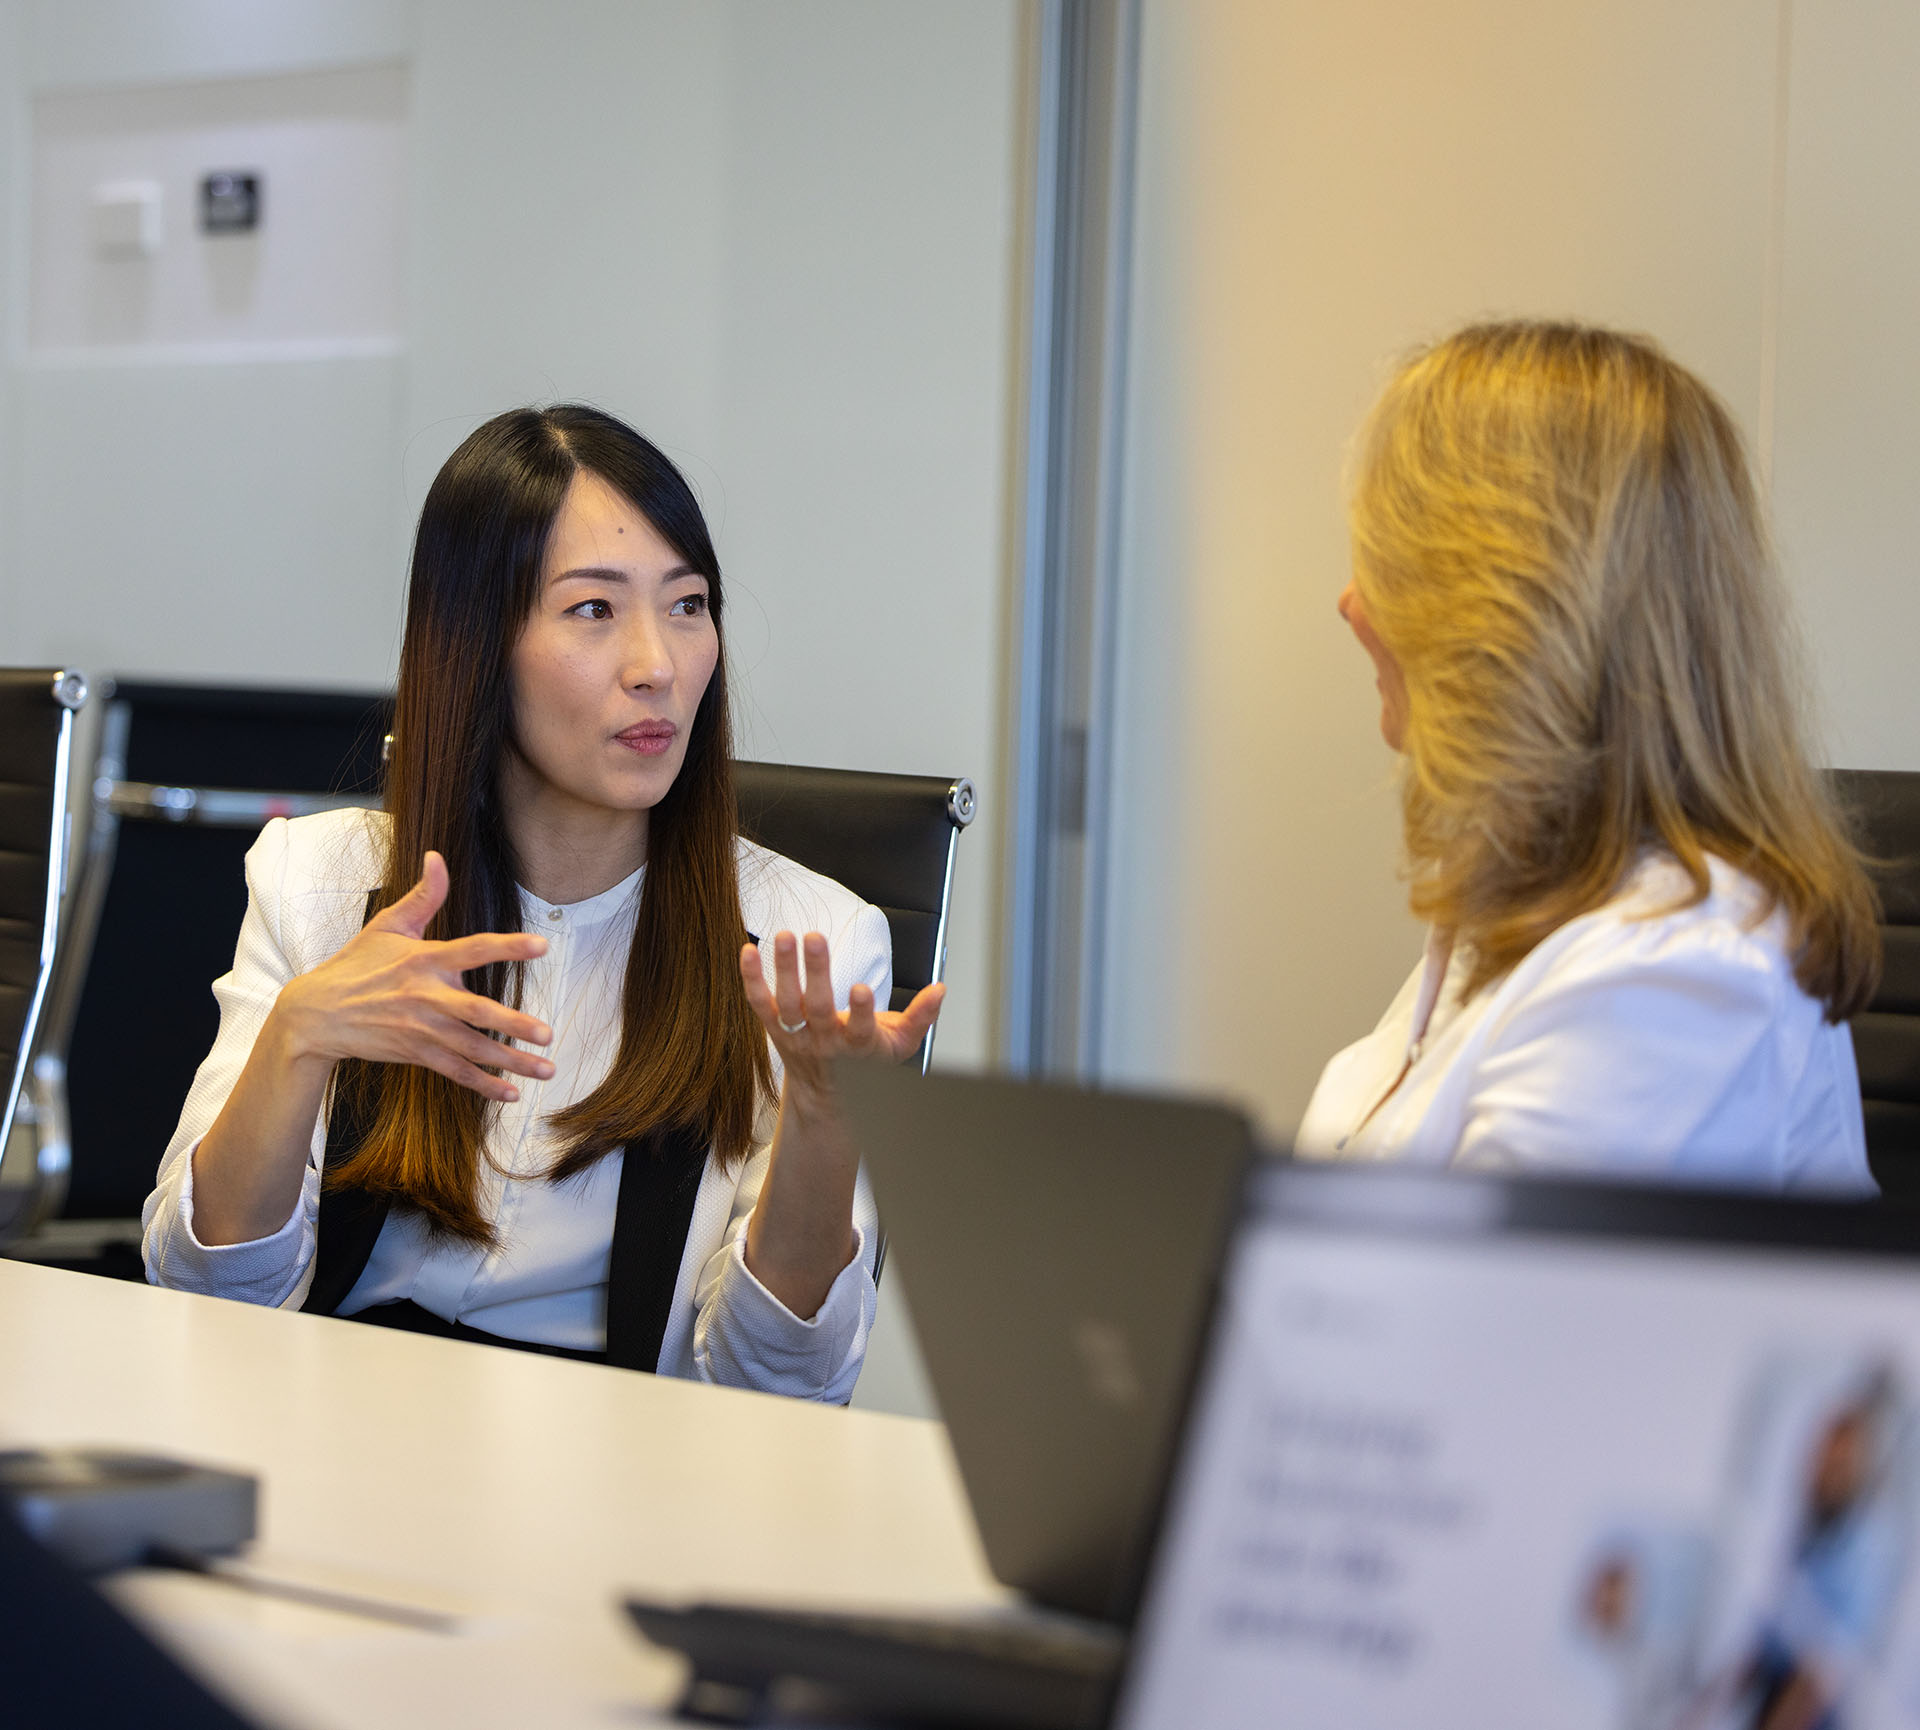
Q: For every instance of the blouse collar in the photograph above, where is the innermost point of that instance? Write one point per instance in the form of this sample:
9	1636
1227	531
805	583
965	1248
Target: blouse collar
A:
595	910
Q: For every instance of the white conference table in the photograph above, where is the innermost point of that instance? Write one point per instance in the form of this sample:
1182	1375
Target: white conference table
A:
520	1492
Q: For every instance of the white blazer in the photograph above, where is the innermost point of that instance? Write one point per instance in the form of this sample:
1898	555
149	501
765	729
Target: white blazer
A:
307	883
1638	1040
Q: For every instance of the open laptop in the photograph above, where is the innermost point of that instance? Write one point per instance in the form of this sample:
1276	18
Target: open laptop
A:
1463	1451
1063	1248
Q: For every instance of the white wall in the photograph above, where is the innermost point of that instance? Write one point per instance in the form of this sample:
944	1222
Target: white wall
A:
572	185
1324	186
322	270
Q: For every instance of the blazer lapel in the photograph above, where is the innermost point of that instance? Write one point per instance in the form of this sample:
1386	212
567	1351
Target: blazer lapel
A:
349	1223
659	1183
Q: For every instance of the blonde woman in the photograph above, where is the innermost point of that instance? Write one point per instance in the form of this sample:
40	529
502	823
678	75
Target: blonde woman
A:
1647	922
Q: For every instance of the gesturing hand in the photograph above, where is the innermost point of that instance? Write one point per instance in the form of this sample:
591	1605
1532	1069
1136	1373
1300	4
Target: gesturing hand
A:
393	997
805	1027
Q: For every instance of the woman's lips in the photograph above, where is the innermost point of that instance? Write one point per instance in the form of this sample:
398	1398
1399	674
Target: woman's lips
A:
649	739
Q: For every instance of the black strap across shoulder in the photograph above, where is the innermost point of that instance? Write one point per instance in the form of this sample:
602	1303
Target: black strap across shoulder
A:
659	1182
350	1219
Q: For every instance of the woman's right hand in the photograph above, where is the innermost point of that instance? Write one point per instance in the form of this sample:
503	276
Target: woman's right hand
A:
392	996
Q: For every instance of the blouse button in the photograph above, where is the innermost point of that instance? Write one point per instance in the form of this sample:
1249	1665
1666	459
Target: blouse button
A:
554	914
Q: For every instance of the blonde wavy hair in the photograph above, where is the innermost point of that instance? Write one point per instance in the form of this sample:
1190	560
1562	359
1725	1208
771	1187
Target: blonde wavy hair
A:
1557	537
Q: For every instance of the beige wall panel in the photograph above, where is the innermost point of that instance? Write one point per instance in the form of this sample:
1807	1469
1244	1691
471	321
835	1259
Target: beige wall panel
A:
1846	448
1322	187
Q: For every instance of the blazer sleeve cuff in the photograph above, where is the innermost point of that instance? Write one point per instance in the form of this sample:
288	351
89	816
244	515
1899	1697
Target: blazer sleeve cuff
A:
747	1338
263	1270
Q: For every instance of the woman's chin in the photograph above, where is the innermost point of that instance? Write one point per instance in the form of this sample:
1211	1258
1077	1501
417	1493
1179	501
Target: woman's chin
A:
642	786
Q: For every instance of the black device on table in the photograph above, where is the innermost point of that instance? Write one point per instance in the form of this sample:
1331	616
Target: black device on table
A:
1445	1428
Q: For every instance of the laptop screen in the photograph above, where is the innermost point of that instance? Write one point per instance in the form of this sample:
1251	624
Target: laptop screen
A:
1621	1463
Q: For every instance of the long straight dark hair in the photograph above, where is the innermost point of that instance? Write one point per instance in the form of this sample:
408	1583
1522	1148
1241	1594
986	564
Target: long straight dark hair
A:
692	1056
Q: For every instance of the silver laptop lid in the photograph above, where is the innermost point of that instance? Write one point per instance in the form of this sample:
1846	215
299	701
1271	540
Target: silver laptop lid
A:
1061	1250
1489	1454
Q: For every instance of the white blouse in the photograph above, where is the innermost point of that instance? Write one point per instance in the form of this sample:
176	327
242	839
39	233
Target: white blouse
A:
1633	1042
545	1279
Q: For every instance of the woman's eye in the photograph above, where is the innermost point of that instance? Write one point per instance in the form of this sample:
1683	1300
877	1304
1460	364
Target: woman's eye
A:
593	609
690	606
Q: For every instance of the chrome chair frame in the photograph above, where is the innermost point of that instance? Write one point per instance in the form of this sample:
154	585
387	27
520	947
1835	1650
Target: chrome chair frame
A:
962	807
35	1097
116	800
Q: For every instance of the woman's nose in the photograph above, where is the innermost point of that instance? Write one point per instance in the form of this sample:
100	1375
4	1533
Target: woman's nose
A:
648	663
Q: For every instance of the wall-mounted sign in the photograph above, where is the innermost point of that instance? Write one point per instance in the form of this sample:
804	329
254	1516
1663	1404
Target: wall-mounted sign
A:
229	203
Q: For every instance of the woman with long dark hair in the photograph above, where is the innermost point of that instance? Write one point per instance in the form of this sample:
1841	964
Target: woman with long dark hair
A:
501	1061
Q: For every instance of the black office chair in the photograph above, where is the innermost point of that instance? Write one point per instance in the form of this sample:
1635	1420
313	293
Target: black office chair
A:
1886	1035
891	839
183	780
37	706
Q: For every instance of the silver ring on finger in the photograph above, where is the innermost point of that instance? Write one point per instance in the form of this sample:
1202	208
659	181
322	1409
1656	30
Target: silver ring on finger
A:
799	1026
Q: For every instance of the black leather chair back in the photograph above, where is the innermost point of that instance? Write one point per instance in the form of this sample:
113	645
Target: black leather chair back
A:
165	890
1886	1035
888	838
36	720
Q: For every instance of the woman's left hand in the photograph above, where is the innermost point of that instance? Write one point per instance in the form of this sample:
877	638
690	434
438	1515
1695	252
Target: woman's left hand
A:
801	1233
806	1028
